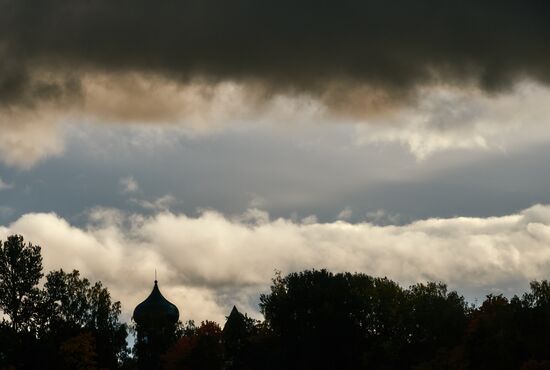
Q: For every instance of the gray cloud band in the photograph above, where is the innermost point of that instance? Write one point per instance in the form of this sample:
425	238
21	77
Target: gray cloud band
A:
285	45
206	64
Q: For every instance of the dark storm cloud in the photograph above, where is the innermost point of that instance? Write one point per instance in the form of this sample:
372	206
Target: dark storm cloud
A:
18	86
284	45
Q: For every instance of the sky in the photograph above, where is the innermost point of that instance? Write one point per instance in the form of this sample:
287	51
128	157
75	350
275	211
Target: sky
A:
219	142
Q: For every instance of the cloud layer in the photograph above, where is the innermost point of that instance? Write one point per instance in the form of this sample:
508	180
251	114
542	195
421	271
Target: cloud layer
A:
209	262
449	118
303	45
207	64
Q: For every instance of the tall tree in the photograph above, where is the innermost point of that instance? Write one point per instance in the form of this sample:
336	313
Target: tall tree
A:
65	300
435	321
71	305
20	271
335	321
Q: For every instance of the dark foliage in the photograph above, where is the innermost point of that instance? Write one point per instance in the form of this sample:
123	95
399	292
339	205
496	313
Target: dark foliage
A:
20	271
320	320
68	324
354	321
199	348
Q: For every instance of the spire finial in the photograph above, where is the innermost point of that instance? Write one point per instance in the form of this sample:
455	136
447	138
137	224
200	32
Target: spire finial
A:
156	276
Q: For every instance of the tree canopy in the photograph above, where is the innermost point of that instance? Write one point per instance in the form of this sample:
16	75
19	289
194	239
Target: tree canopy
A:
20	271
68	323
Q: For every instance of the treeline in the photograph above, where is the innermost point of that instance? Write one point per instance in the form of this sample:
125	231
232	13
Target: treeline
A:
320	320
313	320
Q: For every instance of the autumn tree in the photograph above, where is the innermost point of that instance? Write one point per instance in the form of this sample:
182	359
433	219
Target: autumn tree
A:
199	349
78	353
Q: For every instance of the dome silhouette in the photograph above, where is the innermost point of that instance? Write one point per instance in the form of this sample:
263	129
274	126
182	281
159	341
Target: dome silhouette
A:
156	310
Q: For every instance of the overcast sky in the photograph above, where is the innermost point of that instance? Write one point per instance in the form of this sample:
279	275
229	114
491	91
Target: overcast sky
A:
220	141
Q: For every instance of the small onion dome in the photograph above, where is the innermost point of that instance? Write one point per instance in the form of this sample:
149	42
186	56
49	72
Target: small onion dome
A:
156	310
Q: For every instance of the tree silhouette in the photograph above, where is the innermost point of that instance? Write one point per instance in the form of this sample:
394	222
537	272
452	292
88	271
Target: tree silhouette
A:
354	321
329	321
71	306
435	321
78	353
20	272
69	323
199	349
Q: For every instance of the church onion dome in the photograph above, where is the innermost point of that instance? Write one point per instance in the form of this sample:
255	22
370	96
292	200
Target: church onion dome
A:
156	310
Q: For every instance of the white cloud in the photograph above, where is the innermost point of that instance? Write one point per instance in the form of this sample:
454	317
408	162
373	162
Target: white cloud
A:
309	220
345	214
440	118
30	134
209	262
383	217
4	185
447	118
128	184
163	203
28	137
